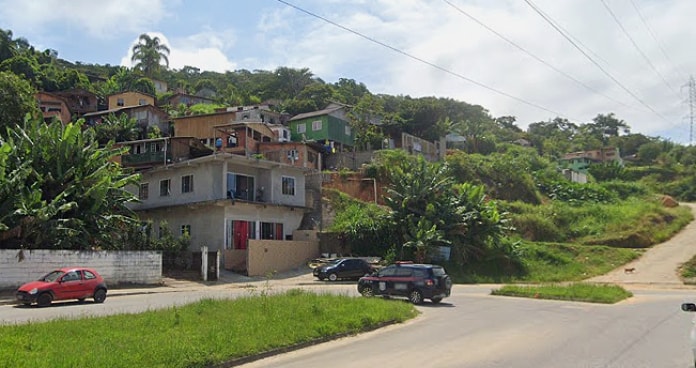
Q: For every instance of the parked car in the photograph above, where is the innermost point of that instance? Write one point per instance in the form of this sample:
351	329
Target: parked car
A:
343	268
410	280
691	307
62	284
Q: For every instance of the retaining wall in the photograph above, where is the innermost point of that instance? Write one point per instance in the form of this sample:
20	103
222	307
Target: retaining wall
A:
117	267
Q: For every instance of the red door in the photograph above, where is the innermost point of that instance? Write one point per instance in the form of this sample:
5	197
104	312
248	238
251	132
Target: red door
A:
70	286
241	234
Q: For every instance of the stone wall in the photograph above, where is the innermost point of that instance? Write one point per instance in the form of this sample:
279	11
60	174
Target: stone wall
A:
117	267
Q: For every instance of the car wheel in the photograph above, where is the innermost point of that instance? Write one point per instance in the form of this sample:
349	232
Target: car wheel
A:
100	296
44	300
415	296
367	291
436	300
333	277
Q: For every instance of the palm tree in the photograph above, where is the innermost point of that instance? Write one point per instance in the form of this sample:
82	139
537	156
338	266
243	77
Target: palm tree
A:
148	53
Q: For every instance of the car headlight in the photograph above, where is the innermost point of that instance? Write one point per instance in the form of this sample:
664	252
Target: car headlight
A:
33	291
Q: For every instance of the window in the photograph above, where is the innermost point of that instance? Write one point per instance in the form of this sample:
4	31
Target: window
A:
270	230
141	102
89	275
348	131
185	230
144	191
71	276
120	102
187	184
165	187
288	186
240	186
301	128
316	125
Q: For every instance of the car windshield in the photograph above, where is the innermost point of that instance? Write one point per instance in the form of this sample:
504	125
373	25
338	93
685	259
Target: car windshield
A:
53	276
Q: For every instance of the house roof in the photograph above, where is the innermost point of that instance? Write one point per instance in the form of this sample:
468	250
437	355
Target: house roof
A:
122	109
124	92
316	113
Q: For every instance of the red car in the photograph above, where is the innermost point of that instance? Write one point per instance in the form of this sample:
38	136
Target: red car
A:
65	283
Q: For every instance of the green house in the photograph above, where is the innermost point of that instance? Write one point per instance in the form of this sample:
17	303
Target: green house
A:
327	125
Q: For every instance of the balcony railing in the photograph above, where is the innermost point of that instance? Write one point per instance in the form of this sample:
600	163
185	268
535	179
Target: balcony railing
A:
145	158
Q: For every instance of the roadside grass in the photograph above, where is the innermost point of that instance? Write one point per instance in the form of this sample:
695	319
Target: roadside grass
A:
546	262
201	334
688	271
582	292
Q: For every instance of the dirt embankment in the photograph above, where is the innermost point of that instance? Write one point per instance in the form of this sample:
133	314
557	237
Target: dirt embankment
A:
658	267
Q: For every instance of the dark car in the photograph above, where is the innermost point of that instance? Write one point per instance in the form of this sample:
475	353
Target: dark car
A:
62	284
410	280
343	268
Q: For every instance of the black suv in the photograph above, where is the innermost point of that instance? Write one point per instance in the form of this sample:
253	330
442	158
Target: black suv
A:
343	268
411	280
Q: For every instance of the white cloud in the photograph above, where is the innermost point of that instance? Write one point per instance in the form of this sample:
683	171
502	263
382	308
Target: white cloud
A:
202	50
100	19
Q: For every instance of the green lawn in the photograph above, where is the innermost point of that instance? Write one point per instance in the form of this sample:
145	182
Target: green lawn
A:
196	335
582	292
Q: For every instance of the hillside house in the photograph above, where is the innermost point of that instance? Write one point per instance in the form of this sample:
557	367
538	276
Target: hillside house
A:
129	98
329	127
147	117
80	101
52	107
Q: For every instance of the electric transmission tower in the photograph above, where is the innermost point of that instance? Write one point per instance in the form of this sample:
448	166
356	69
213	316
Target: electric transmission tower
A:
691	101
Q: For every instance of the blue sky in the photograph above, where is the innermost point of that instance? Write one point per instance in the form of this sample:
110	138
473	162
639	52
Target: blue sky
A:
433	48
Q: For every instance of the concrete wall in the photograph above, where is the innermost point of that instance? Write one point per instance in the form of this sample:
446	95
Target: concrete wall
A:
117	267
267	256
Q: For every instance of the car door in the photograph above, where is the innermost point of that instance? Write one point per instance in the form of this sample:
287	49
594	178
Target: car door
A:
69	285
353	269
402	281
385	283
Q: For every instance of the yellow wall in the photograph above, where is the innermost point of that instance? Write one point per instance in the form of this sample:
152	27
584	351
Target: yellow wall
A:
269	256
130	99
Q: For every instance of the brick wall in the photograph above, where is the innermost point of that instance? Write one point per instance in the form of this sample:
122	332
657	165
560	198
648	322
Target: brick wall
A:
117	267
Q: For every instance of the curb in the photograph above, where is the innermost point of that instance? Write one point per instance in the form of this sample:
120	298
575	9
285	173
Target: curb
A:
301	345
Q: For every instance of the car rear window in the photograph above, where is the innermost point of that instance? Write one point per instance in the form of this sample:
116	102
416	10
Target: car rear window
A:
439	271
89	275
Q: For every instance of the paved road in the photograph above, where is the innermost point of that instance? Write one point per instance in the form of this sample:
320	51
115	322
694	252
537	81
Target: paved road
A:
475	329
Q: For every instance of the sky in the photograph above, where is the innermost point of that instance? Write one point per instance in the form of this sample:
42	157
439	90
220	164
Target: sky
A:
532	59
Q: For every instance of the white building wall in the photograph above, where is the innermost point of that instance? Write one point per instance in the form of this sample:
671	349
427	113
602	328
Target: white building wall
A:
117	267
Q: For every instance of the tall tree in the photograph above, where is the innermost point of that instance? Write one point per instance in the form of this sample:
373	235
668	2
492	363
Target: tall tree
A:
149	53
16	100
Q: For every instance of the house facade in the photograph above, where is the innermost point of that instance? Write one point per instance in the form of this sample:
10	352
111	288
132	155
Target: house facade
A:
52	107
581	161
147	117
223	200
129	98
148	153
80	101
203	126
324	126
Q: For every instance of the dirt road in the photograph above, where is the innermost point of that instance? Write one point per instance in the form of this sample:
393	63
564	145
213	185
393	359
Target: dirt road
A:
658	267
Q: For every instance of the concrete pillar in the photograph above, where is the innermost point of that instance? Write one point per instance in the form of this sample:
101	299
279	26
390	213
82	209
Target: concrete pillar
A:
204	262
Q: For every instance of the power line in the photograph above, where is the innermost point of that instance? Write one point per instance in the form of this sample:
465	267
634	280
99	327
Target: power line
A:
535	57
657	41
492	89
553	24
635	45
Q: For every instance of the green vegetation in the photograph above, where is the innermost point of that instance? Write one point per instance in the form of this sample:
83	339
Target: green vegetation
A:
201	334
607	294
545	262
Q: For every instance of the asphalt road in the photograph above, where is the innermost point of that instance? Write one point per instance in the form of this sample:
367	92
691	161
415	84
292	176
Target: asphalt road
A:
469	329
474	329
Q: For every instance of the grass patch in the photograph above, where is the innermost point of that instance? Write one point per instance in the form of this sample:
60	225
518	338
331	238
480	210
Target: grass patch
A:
546	262
688	271
580	292
196	335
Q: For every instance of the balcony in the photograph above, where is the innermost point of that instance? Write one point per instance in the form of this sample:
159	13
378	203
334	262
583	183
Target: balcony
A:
145	158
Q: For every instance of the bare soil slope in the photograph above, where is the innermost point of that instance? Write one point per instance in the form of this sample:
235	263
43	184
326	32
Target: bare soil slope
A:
658	267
